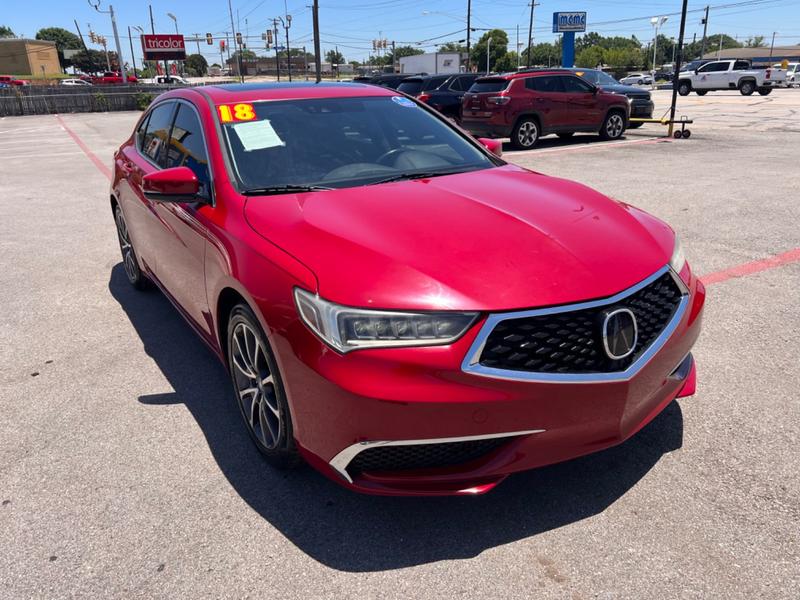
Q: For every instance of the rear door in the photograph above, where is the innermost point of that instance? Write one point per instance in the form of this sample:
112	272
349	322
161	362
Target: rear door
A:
147	155
583	107
549	100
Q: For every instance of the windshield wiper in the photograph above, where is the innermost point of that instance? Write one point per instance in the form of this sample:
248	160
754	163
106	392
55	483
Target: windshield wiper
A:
284	189
417	175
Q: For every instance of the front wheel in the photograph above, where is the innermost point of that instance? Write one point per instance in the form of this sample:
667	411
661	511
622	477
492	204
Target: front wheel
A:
765	91
684	87
746	88
525	134
259	389
613	127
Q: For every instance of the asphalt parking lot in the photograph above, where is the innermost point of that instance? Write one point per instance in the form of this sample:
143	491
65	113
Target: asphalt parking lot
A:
125	472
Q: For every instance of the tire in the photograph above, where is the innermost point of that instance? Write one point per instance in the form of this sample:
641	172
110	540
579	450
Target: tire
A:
634	125
130	261
765	91
686	134
613	126
684	87
258	389
566	135
747	87
525	134
701	92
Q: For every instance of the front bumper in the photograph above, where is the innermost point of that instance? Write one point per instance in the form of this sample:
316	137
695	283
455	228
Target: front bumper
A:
642	109
403	396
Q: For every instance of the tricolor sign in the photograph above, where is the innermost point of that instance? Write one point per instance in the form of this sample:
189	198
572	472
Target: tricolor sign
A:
163	47
569	21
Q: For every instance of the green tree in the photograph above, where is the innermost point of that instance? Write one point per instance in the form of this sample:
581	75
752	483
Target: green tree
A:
543	55
5	32
624	58
590	57
196	65
335	57
452	47
90	61
498	48
507	62
755	42
65	40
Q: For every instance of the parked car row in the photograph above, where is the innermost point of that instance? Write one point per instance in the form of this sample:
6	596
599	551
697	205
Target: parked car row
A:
10	80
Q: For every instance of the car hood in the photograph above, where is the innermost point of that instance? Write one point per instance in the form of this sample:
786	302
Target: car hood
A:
626	90
495	239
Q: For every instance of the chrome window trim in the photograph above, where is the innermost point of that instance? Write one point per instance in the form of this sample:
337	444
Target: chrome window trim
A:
346	456
472	365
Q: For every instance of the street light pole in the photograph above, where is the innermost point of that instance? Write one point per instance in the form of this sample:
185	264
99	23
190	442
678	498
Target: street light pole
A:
488	48
317	55
469	20
133	57
175	20
110	11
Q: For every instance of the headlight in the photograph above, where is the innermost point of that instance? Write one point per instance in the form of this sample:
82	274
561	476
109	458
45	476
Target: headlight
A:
347	328
678	260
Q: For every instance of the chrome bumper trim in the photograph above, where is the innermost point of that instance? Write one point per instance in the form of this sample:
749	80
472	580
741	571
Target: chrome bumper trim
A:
471	363
345	457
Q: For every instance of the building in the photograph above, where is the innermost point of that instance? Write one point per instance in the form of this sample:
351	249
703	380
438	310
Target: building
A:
758	55
19	56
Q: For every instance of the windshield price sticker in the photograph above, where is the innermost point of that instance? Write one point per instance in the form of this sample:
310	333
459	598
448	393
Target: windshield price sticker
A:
229	113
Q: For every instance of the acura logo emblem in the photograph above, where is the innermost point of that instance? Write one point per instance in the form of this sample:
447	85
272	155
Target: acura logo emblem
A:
620	333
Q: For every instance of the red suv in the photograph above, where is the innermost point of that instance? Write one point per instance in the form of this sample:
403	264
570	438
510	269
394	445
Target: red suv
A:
526	106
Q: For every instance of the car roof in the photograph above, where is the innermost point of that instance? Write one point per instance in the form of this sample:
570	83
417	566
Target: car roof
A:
252	92
527	73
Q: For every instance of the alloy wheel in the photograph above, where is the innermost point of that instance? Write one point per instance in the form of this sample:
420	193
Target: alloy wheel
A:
255	386
128	257
527	134
614	126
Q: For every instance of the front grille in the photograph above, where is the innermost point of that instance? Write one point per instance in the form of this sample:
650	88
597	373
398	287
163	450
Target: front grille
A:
422	456
571	342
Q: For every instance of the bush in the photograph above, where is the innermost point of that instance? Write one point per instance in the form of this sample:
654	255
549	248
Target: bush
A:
143	100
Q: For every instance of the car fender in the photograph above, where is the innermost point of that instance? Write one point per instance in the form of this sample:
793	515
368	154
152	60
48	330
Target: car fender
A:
529	113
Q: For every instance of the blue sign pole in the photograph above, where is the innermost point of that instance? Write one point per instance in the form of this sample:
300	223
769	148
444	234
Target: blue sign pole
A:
568	49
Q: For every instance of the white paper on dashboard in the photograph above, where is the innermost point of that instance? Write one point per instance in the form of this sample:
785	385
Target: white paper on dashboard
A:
257	135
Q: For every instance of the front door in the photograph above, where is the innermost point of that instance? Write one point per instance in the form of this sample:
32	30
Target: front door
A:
583	107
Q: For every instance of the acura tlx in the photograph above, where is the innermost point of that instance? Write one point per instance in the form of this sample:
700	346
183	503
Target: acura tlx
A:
394	302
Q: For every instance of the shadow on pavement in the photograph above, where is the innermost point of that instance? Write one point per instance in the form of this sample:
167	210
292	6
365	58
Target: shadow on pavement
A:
353	532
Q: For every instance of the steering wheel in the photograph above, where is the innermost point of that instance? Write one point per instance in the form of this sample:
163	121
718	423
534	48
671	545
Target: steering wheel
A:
383	158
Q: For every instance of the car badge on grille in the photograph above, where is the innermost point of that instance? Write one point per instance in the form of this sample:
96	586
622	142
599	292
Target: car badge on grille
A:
620	333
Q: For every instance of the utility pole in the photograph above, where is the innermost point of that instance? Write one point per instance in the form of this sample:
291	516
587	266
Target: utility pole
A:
153	30
110	11
305	62
394	55
488	49
238	45
80	35
133	57
517	46
317	56
530	33
705	30
197	39
469	20
277	60
772	46
677	68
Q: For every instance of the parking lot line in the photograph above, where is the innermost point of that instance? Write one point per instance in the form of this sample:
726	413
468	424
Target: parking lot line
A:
752	267
90	155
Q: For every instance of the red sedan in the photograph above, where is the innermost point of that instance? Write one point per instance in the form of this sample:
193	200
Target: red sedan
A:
394	302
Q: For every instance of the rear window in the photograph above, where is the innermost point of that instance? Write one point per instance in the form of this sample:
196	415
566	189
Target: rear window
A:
411	87
434	82
489	85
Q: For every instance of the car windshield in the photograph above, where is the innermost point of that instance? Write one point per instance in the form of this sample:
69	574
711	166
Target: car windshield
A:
341	142
597	77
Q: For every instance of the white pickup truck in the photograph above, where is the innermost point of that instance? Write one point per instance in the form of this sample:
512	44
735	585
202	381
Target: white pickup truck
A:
726	75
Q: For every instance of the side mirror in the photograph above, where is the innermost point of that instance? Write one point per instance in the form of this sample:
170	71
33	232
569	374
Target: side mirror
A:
596	90
178	184
695	71
493	146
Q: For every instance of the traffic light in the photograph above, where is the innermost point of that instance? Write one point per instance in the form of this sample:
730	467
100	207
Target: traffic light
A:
239	38
209	39
269	37
222	45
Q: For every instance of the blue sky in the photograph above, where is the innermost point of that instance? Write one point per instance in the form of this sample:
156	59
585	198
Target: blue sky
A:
352	24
